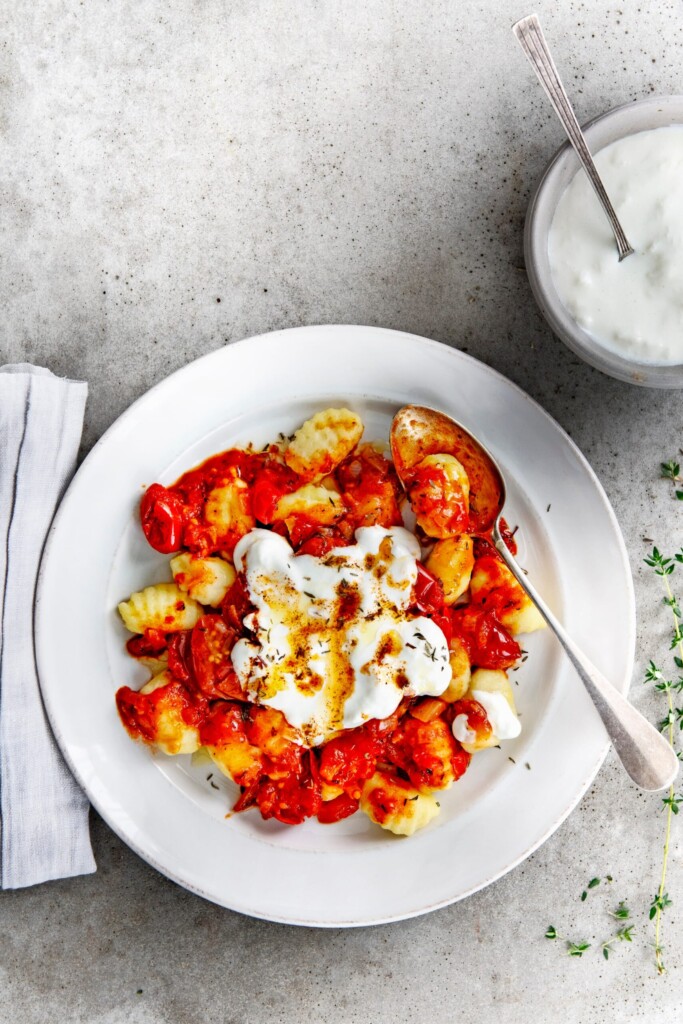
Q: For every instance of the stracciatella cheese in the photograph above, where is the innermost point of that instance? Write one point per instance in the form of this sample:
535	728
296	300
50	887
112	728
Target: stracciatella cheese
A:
333	643
505	724
634	307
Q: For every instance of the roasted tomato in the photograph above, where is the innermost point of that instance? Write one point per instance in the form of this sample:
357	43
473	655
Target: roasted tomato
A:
210	644
223	733
488	644
429	597
312	539
269	730
349	759
427	752
162	514
151	643
334	810
291	799
370	489
236	604
270	484
180	658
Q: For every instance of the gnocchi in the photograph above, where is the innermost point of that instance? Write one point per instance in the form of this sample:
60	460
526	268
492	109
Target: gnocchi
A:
206	580
494	586
439	492
162	606
228	511
316	502
395	805
460	673
323	442
452	560
158	714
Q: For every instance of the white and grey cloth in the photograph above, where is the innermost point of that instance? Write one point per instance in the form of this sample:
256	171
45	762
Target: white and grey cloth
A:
44	813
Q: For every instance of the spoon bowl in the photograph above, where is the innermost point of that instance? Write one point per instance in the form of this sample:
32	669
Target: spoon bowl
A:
418	431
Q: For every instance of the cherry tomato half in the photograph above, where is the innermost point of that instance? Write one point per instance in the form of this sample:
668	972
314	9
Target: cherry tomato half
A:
334	810
180	658
162	515
271	483
349	759
429	597
151	643
291	799
236	604
487	642
210	643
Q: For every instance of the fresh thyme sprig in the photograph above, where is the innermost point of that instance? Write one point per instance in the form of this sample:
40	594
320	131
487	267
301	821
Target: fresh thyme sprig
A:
573	948
591	885
664	568
623	935
671	470
622	913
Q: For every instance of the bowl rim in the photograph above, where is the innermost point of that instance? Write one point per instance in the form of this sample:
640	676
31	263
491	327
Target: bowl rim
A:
543	202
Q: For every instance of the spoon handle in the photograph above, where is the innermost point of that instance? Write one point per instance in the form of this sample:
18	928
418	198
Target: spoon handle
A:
532	41
644	752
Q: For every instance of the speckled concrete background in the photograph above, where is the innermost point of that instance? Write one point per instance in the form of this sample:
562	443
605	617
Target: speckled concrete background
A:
177	176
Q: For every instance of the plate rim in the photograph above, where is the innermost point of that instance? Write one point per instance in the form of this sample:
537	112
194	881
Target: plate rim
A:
120	423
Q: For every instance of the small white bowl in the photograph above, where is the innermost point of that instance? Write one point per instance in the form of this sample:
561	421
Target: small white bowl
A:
655	112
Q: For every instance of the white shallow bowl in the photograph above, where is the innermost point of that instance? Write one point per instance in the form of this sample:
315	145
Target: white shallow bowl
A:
165	808
654	112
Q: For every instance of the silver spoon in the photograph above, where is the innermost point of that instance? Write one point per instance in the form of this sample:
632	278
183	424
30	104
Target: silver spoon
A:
417	432
532	41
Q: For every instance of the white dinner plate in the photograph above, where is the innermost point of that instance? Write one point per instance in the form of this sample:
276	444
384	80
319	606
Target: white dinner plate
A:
166	809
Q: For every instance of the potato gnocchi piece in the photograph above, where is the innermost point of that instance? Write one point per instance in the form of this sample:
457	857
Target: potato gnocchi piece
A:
159	722
154	663
225	741
452	560
228	510
493	586
162	606
317	503
439	492
486	681
206	580
395	805
461	673
236	761
323	442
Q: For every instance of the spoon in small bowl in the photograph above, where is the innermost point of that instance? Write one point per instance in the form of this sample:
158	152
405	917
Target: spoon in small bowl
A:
417	432
530	36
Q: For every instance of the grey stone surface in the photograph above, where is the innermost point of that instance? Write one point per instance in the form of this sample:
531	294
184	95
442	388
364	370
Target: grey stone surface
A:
177	176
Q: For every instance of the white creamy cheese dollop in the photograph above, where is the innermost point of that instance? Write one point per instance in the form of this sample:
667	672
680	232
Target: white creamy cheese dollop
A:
634	307
461	730
505	724
334	643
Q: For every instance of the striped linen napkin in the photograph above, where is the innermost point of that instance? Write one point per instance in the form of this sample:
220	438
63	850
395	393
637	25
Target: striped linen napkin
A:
44	814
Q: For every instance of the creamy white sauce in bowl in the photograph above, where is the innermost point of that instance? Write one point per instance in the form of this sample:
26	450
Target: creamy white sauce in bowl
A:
634	307
624	122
